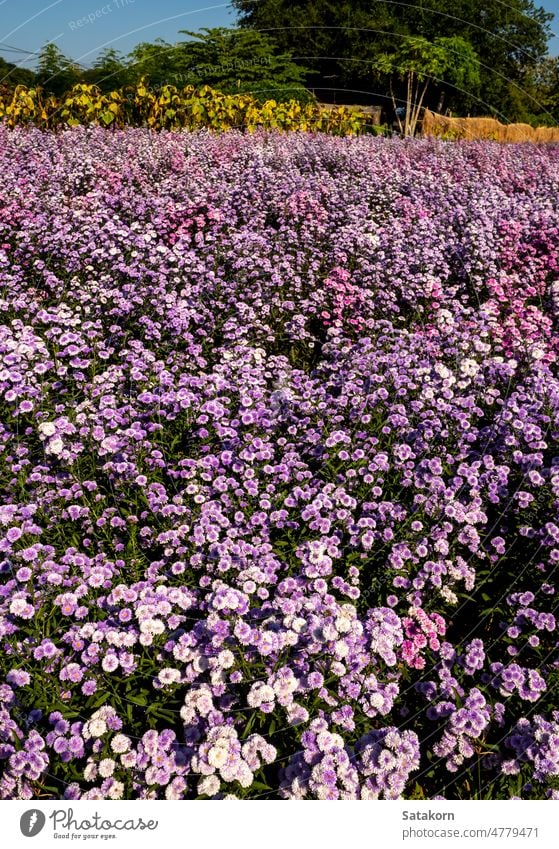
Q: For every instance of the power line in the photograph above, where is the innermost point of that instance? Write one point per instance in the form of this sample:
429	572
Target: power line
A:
17	49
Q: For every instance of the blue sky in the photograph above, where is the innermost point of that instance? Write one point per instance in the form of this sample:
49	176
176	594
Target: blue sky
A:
83	27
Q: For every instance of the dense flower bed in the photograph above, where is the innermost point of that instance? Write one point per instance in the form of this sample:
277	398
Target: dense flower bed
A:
278	467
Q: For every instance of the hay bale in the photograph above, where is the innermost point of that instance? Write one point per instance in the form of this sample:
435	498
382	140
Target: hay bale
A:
439	126
431	124
517	133
460	128
543	134
487	129
547	135
483	128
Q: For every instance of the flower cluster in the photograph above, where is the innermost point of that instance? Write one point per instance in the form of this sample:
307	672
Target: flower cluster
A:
535	741
463	726
278	470
386	757
323	770
421	630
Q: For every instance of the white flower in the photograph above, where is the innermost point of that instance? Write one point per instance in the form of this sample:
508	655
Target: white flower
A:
259	694
376	700
152	626
296	714
442	370
209	785
217	756
97	727
244	775
372	238
341	648
96	793
327	741
90	771
106	767
469	367
17	606
204	703
226	659
346	617
537	352
444	318
47	429
316	554
322	792
55	446
151	775
218	676
120	743
285	684
109	663
200	663
169	675
448	595
329	632
109	444
187	714
116	790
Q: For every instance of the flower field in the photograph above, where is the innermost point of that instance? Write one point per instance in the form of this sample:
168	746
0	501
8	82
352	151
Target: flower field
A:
279	474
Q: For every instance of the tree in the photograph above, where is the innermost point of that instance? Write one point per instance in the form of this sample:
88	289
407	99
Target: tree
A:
420	63
227	59
239	60
109	71
333	39
544	85
510	38
158	62
56	73
11	75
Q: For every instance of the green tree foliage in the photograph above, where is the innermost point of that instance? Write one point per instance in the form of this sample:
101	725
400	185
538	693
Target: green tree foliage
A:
226	59
421	63
11	75
240	61
510	39
159	62
109	72
56	73
544	86
332	38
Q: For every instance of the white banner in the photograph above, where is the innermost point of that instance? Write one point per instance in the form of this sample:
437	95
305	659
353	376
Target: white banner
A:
291	825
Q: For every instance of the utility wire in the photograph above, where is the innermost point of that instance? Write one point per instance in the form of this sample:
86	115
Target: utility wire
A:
17	49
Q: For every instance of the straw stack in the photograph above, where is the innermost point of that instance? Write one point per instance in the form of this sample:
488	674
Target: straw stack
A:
485	128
